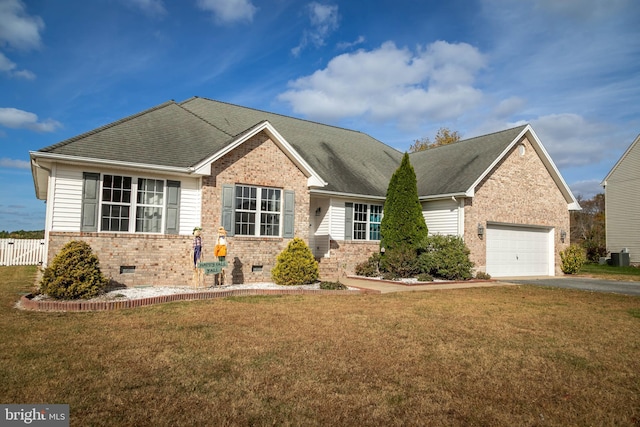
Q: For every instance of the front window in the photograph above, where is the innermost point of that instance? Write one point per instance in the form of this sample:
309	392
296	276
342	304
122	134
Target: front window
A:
258	211
366	221
122	212
116	203
149	209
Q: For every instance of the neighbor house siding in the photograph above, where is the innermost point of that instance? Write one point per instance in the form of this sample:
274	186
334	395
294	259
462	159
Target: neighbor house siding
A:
622	204
442	217
518	191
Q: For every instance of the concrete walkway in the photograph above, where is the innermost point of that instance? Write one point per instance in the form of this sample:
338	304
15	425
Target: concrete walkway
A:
381	286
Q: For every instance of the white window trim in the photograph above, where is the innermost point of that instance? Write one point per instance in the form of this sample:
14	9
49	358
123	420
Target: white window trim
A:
258	212
133	205
368	222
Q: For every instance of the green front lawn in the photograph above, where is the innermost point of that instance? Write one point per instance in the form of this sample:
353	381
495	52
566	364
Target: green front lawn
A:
498	356
610	272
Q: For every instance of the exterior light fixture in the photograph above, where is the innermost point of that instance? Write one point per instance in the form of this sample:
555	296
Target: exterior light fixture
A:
318	211
563	235
480	230
382	250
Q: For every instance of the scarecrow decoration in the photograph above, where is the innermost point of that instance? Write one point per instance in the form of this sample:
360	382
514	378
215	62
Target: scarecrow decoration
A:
198	274
220	251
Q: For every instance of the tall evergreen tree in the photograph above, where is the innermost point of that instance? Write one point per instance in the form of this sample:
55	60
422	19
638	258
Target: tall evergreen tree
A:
402	225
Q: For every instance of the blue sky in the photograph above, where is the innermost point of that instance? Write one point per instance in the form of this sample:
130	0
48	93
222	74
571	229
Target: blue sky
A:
397	70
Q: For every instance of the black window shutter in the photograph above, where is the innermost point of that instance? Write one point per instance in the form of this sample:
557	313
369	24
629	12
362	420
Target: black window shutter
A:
173	208
348	221
289	219
228	211
90	200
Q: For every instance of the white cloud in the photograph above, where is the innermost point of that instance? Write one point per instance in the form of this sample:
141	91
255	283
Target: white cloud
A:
229	11
9	67
324	21
349	45
390	83
13	163
586	188
571	140
20	119
152	8
18	29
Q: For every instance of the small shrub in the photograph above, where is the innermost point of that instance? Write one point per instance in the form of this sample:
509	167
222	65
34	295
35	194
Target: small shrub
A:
295	265
572	258
400	262
333	286
425	277
389	275
74	273
481	275
369	268
446	257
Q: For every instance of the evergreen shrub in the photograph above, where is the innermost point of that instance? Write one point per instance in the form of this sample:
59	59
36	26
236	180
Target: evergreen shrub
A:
572	258
295	265
369	268
74	273
446	257
401	262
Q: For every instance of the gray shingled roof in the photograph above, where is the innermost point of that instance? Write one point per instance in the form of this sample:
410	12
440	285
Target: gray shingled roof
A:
184	134
166	135
454	168
349	161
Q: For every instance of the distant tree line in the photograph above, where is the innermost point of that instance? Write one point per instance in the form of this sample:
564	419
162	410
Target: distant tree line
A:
22	234
588	227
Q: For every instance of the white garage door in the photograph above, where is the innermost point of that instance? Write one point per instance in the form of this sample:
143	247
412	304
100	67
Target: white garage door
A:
519	251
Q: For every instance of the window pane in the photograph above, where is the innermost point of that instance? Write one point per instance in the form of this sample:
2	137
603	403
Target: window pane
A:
270	224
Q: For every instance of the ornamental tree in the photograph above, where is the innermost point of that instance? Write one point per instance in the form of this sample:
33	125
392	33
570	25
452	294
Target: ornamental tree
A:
403	225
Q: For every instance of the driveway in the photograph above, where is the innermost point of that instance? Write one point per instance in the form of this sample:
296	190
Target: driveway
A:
583	283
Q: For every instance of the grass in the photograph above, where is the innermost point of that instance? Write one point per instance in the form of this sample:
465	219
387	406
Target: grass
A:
610	272
514	355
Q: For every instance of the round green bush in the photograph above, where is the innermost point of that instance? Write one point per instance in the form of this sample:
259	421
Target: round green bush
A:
400	262
446	257
572	258
295	265
74	273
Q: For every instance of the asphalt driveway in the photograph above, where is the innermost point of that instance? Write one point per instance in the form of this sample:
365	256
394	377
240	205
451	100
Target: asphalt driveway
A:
583	283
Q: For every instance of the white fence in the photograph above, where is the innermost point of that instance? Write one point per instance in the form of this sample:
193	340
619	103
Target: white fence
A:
21	251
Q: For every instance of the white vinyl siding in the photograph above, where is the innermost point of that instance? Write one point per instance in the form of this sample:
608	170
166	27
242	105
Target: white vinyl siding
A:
622	200
443	217
337	219
190	205
67	198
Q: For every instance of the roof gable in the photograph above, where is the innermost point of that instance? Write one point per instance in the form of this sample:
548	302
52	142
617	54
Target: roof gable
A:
632	154
348	161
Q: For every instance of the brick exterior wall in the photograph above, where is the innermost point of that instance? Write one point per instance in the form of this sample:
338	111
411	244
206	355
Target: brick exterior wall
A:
166	260
344	255
519	191
258	162
159	260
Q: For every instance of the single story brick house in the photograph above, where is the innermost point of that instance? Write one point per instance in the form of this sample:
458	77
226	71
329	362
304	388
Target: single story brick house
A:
622	203
136	188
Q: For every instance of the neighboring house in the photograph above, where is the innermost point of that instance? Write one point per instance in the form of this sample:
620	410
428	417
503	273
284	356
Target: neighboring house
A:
622	204
136	188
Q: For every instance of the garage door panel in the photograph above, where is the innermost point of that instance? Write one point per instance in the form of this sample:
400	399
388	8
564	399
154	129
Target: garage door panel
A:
517	251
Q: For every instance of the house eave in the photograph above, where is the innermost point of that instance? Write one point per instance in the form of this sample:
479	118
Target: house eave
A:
320	192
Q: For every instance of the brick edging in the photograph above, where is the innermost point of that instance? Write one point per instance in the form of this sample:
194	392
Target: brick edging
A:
392	282
28	303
